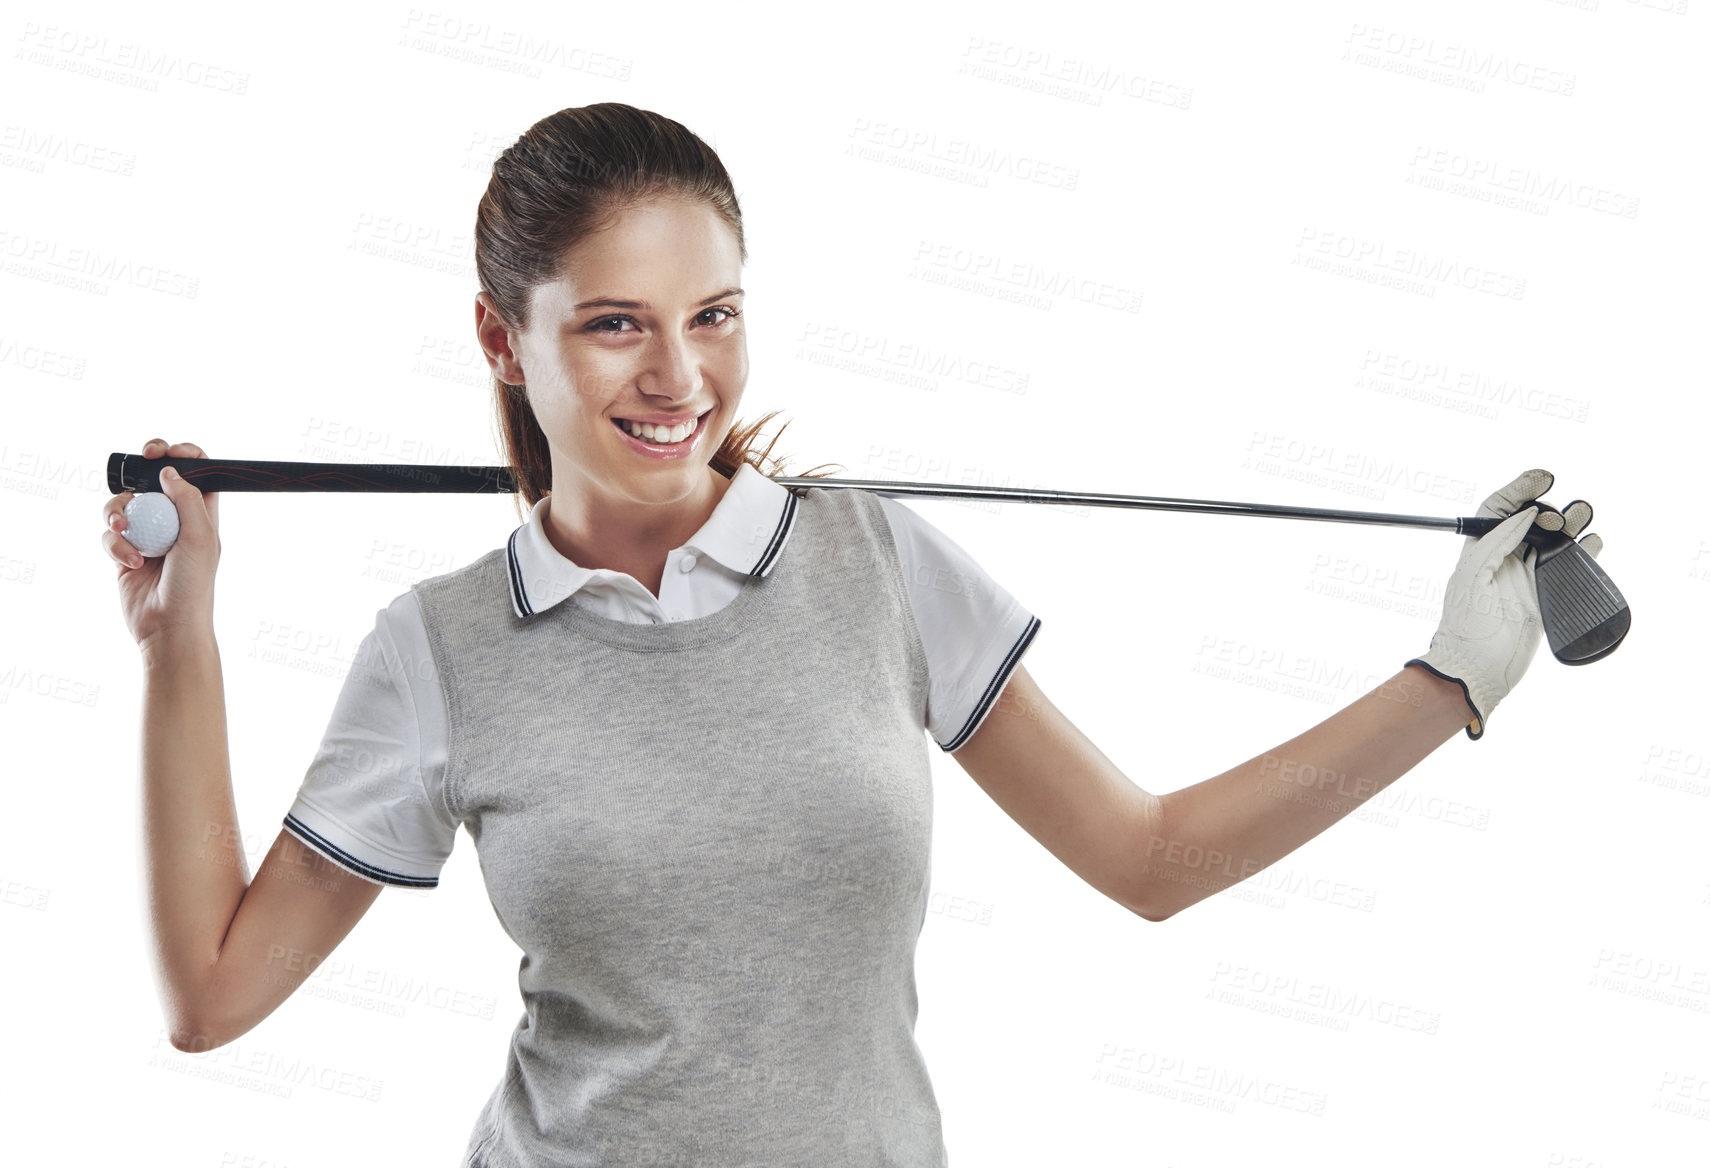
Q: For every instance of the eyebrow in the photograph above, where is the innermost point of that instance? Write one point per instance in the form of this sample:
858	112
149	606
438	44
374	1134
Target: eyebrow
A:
608	302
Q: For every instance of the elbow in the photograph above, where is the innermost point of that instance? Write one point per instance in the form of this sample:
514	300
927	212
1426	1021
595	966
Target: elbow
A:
197	1034
200	1033
193	1038
203	1017
1148	892
1148	906
1152	913
187	1028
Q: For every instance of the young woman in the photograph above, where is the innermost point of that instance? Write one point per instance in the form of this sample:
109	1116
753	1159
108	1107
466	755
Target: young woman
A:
680	710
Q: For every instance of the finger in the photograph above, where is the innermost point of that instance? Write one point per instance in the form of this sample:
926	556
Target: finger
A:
121	550
113	513
1578	515
1517	494
1549	519
1592	544
194	519
210	499
1505	537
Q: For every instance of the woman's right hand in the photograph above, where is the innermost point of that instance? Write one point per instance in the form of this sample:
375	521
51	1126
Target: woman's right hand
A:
171	595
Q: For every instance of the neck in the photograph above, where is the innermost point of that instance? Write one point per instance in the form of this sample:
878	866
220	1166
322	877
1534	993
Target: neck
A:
594	530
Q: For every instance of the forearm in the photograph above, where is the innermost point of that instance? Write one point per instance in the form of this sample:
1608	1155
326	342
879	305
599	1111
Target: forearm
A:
1209	836
195	869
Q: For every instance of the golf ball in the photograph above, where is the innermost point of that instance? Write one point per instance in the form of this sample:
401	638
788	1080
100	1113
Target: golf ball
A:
152	523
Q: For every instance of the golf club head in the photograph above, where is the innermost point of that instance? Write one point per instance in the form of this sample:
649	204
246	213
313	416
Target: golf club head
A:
1585	615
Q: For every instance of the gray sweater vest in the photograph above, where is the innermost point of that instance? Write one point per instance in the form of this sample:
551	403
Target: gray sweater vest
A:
711	840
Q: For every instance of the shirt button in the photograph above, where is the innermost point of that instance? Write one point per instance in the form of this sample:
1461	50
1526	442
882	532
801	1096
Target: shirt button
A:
687	563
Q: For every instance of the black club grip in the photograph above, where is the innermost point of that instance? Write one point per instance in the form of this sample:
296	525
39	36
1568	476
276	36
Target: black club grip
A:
133	472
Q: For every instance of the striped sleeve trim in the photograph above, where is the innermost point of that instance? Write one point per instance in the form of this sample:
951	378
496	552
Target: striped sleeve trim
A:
344	859
995	687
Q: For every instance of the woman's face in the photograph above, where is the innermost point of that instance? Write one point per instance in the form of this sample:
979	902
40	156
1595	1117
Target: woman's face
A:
643	324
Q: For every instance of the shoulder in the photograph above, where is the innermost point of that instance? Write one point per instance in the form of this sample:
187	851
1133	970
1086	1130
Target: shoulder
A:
484	590
480	569
833	518
867	511
918	541
920	545
400	634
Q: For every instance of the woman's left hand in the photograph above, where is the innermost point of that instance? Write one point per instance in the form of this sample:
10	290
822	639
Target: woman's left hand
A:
1491	625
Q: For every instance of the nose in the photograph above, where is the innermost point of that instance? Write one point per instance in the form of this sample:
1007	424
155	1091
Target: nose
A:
672	369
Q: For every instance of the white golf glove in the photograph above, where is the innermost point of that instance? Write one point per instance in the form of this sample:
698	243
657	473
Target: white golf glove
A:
1491	624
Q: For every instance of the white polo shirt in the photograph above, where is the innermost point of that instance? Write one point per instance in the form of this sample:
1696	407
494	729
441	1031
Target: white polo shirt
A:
372	800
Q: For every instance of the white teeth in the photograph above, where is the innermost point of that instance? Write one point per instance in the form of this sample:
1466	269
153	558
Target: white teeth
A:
660	434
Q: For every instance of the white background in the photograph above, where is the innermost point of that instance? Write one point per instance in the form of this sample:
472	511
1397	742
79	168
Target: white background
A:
1501	959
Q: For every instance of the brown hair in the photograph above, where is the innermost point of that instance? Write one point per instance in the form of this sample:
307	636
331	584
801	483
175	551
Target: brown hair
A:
568	175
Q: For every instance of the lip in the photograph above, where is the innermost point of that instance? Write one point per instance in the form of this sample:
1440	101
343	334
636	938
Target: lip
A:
665	453
663	419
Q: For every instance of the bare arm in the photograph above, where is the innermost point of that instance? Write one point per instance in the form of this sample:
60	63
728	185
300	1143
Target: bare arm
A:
1157	854
227	950
1204	838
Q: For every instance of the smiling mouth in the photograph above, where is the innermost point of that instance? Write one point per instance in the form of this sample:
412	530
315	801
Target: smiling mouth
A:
654	436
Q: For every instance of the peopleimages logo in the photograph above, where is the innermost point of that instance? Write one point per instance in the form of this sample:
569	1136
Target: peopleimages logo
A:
126	63
1461	65
1375	258
976	265
1073	78
914	148
1439	383
875	354
1525	188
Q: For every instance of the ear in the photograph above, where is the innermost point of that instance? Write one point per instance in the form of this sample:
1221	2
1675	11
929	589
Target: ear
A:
495	340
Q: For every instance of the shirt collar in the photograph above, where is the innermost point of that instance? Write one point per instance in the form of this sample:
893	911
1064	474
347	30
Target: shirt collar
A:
746	532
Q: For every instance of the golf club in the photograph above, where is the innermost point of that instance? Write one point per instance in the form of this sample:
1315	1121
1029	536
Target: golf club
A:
1585	616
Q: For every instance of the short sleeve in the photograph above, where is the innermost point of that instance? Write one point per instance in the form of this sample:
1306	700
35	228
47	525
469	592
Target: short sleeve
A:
366	803
973	631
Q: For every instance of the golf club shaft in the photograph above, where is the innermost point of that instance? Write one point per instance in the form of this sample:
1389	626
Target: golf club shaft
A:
1469	525
1584	614
132	472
